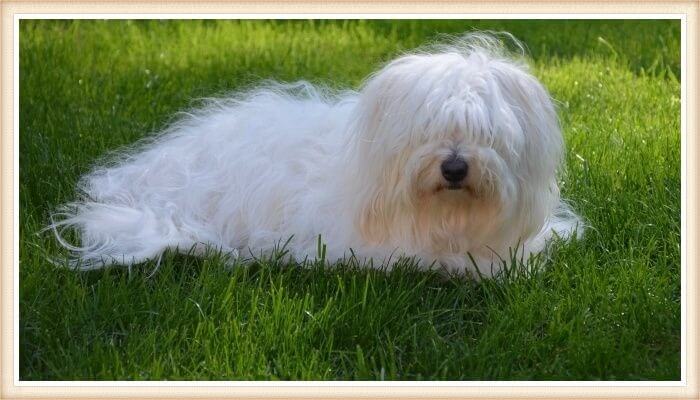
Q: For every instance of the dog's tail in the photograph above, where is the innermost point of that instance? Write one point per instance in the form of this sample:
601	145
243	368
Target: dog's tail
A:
114	234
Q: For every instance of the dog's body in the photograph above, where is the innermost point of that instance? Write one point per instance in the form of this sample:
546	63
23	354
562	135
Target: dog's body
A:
450	157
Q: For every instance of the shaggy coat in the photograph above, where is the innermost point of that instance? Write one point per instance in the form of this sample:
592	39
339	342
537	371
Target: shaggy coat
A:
364	170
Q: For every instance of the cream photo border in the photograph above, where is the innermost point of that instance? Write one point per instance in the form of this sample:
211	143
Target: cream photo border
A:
685	11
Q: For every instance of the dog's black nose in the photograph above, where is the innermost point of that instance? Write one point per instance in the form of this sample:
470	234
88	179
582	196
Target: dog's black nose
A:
454	169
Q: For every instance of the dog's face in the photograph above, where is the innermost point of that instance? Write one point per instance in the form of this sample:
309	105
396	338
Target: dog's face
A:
456	150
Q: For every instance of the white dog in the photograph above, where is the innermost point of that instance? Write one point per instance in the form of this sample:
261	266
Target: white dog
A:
448	155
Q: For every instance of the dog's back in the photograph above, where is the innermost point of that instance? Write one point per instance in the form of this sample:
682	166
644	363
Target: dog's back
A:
228	175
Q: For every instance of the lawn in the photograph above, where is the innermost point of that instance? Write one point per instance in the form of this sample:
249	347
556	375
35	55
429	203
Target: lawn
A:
606	307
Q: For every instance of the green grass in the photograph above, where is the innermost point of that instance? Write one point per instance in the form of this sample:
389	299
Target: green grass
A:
606	307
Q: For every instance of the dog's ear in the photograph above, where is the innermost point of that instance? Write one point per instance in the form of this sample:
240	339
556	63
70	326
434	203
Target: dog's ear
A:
542	156
534	109
388	99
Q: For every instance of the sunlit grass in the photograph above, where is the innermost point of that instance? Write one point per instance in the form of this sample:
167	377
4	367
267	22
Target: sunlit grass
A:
607	307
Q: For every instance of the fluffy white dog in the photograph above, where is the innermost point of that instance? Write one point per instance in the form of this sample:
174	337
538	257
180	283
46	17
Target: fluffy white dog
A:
448	155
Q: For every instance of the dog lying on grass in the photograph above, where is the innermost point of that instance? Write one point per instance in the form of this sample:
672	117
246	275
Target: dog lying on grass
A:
448	155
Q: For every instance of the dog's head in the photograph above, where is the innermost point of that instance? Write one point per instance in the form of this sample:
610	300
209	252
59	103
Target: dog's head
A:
462	144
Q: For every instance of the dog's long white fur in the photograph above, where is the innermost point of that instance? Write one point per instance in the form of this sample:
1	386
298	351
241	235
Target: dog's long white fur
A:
360	169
